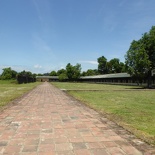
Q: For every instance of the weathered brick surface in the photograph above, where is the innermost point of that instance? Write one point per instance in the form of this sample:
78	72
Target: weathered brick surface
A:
46	121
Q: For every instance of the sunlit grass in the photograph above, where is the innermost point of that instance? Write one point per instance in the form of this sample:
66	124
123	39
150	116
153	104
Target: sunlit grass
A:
10	90
133	109
91	86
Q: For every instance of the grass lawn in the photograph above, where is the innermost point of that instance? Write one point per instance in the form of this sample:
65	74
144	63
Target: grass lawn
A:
10	90
133	109
91	86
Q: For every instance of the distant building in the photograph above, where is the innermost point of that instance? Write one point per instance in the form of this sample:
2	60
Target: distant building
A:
117	78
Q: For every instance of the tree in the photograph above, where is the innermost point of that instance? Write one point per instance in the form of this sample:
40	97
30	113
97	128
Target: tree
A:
53	73
77	71
140	58
115	66
8	74
102	65
46	74
61	71
123	67
73	72
39	74
63	77
90	72
26	77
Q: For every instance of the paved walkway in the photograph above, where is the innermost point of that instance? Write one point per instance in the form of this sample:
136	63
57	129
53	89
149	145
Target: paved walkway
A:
48	122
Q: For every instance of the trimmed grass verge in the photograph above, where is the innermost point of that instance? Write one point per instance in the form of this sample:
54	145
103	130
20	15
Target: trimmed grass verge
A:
132	108
10	90
92	86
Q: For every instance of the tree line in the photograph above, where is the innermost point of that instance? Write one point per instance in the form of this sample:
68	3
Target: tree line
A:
139	63
22	77
72	73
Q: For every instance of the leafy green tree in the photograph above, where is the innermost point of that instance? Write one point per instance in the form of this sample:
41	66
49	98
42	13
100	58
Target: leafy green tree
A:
102	65
46	74
115	66
73	72
63	77
90	72
61	71
123	67
140	58
53	73
8	74
26	77
39	74
84	73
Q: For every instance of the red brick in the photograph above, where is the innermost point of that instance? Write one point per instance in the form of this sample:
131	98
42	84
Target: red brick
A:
82	152
94	145
99	152
46	147
12	149
90	139
63	147
131	150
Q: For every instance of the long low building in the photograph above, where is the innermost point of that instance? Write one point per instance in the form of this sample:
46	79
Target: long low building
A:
118	78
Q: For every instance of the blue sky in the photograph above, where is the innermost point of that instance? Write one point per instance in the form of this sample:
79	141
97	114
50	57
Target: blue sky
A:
44	35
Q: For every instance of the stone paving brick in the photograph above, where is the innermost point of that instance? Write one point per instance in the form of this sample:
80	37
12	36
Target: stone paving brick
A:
3	143
12	149
47	141
64	146
82	152
77	146
65	153
90	139
131	150
61	140
47	153
46	147
109	144
46	121
31	141
116	150
76	139
30	148
99	152
16	142
29	153
95	145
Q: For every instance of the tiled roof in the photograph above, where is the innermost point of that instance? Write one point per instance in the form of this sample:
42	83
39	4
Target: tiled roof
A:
117	75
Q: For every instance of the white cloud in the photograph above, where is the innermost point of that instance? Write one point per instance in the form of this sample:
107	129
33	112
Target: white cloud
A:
37	66
89	62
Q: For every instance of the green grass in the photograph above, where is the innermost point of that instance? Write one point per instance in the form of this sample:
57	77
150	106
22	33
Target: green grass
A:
10	90
91	86
133	109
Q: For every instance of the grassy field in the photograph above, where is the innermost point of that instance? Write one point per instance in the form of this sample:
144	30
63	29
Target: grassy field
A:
92	86
132	108
10	90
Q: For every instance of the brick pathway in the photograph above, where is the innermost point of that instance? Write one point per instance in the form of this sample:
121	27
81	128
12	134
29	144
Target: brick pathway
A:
48	122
